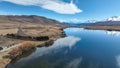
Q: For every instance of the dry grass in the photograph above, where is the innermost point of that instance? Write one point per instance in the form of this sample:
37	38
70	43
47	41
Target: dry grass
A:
31	30
8	31
24	47
116	28
3	61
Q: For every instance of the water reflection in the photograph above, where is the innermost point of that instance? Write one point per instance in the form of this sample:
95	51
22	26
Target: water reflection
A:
55	48
74	63
58	44
114	33
118	60
65	42
81	49
24	55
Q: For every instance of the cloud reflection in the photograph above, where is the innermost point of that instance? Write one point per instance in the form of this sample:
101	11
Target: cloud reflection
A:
113	33
58	44
118	60
66	42
74	63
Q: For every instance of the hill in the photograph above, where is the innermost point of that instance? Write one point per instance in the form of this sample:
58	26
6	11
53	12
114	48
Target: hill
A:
27	19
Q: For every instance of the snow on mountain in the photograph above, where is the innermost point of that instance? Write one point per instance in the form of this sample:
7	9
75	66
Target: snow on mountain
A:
114	18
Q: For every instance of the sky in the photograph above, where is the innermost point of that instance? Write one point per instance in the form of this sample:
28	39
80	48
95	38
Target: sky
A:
62	10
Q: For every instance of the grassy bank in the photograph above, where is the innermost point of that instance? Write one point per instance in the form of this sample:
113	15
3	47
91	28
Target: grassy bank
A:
22	46
110	28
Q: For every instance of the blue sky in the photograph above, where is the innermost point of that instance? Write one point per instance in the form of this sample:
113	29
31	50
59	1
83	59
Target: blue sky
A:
63	10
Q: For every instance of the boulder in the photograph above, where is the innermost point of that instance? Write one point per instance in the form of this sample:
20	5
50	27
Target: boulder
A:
1	48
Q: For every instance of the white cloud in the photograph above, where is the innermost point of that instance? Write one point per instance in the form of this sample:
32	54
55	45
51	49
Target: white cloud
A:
57	6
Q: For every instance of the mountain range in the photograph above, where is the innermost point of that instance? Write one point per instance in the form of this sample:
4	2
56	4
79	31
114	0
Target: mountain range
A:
112	21
115	20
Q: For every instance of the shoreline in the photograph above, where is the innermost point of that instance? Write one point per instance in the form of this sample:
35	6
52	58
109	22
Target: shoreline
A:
4	60
108	28
8	54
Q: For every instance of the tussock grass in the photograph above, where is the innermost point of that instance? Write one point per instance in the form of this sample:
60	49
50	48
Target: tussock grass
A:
19	50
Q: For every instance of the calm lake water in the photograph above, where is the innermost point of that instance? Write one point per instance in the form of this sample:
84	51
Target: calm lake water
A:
80	49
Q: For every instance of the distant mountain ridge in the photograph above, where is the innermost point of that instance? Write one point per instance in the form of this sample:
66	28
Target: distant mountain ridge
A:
112	21
75	24
27	19
91	21
114	18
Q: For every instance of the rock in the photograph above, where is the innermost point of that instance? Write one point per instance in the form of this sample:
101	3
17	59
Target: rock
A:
1	48
63	34
46	43
49	42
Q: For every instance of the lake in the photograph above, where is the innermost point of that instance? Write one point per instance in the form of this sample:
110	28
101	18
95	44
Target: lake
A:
81	48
